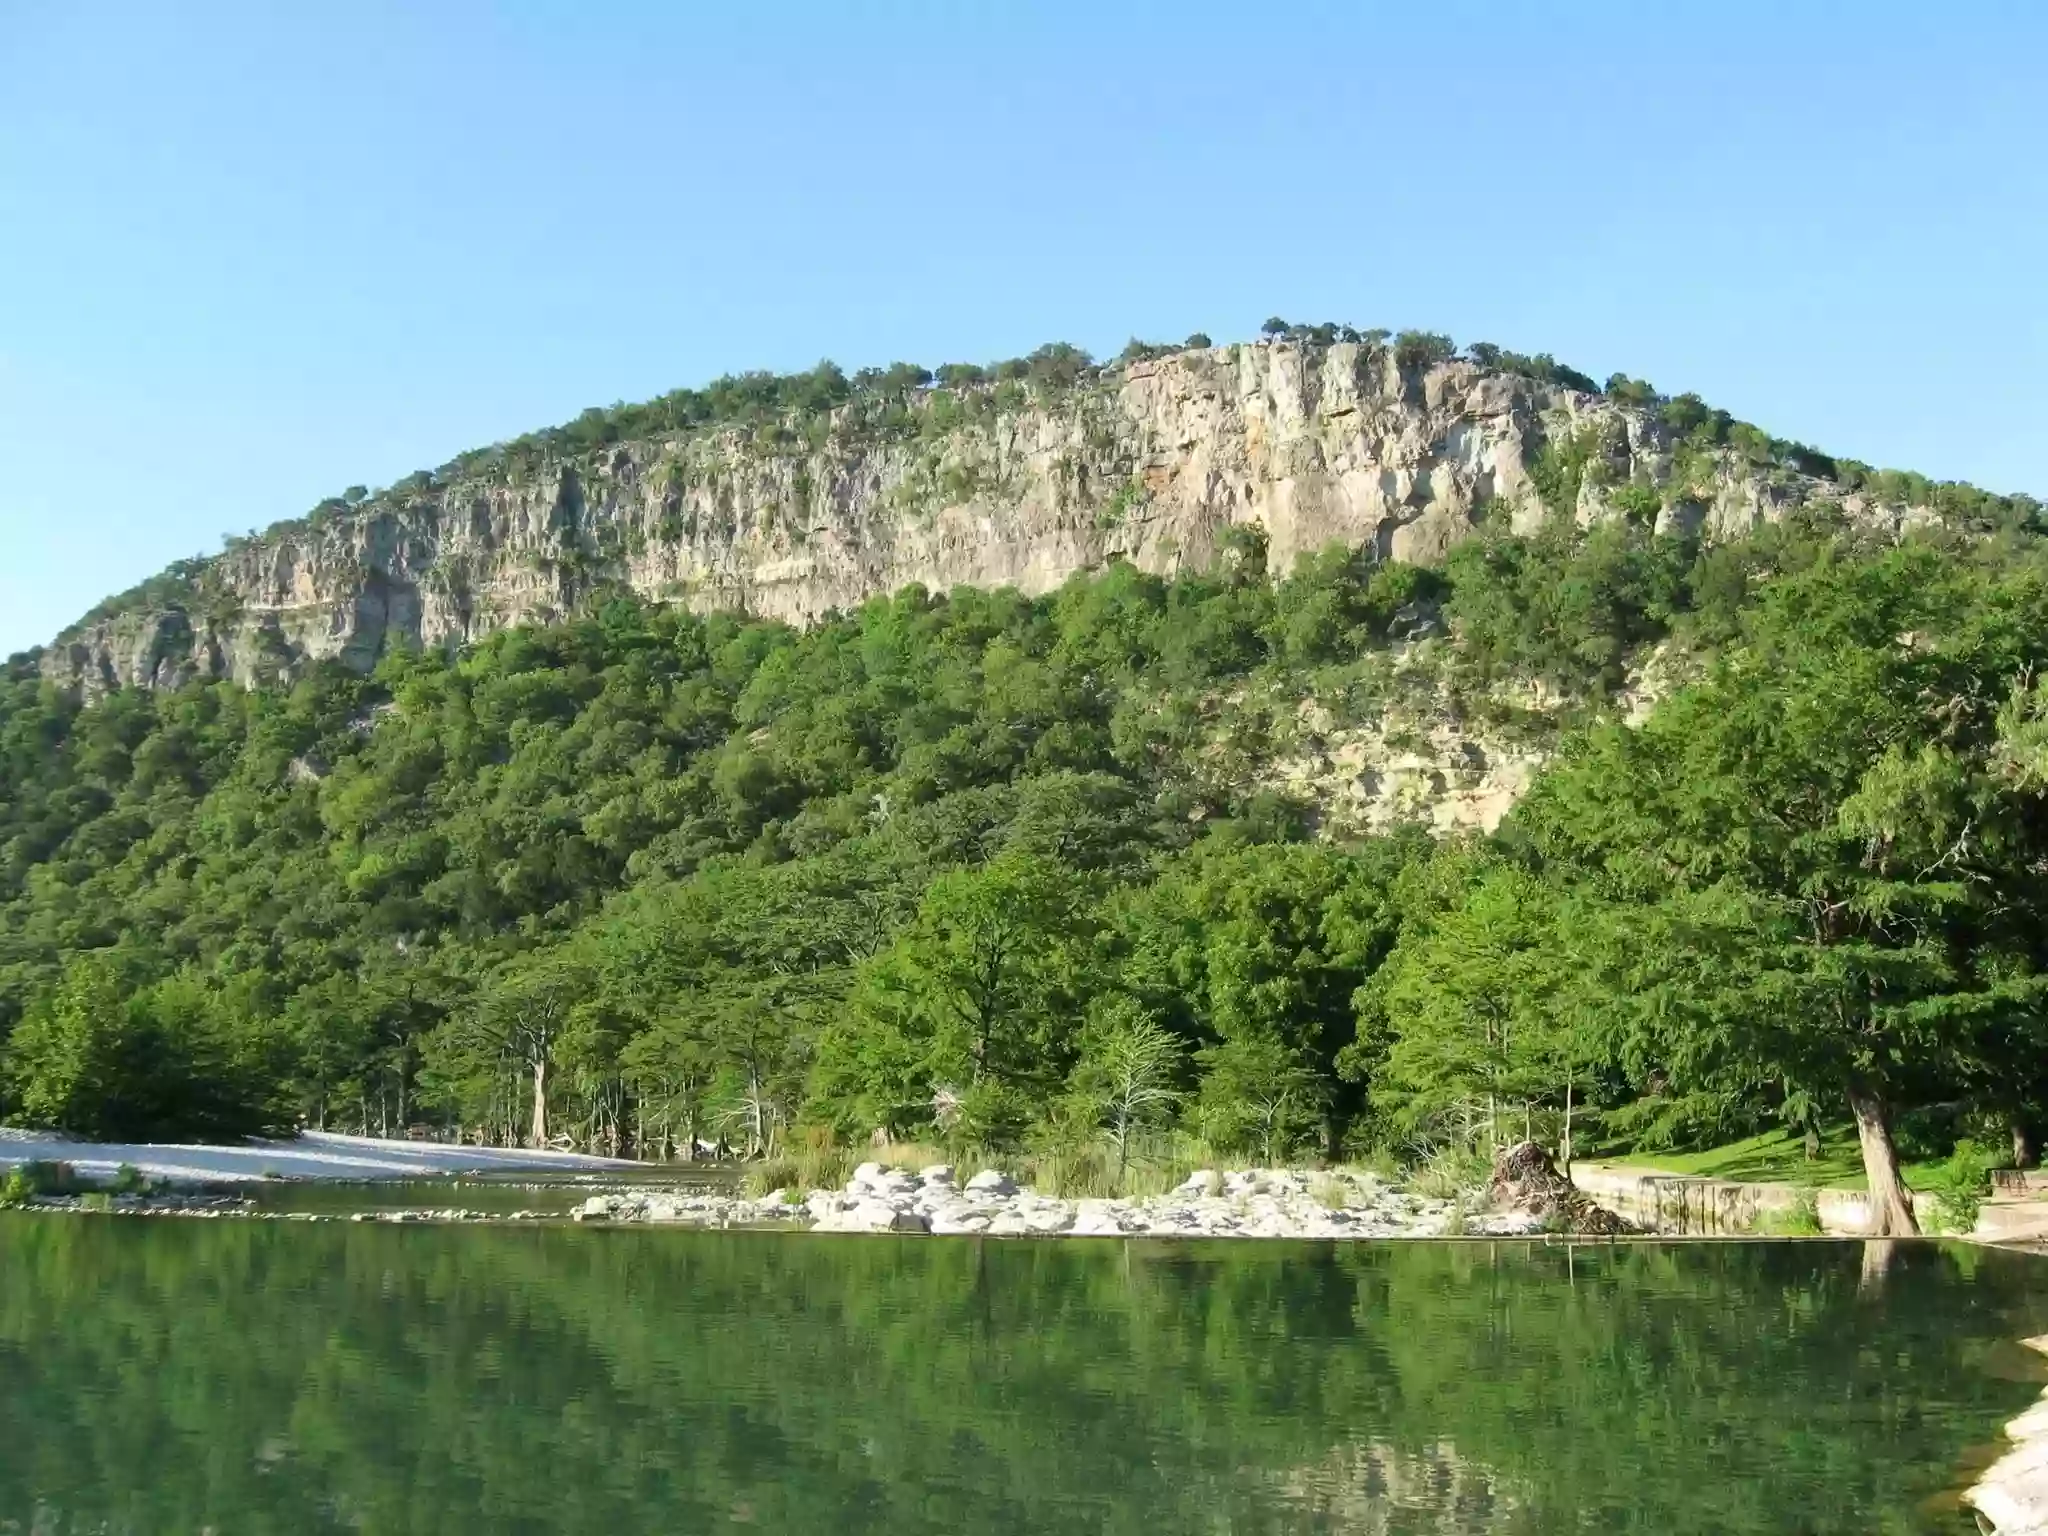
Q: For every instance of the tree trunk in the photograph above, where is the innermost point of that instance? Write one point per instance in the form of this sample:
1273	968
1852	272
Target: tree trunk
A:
540	1102
1877	1264
1565	1146
2025	1154
1891	1208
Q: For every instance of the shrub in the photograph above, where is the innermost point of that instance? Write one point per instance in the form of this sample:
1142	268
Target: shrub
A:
154	1066
128	1180
1380	1162
1960	1188
769	1175
32	1180
1452	1172
1423	349
1801	1220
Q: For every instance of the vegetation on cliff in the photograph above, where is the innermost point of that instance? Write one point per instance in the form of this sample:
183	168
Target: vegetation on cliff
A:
1001	870
761	451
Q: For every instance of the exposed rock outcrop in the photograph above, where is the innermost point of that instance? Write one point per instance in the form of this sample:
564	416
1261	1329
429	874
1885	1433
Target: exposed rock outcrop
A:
1151	462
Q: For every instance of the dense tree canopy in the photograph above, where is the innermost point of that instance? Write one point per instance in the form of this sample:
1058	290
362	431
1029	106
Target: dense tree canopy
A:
1000	869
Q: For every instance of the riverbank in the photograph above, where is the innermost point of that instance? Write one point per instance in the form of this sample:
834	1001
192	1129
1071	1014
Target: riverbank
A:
1689	1205
225	1181
1258	1202
2013	1492
312	1155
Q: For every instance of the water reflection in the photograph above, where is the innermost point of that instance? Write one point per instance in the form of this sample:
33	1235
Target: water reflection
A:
160	1375
1373	1488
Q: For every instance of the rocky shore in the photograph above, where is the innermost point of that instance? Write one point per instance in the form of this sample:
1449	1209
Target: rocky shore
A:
1284	1203
2012	1495
1525	1196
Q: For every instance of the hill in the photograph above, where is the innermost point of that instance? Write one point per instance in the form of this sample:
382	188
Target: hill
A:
792	497
1733	755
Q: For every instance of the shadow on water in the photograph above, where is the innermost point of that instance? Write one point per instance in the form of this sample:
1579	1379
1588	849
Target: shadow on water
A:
250	1376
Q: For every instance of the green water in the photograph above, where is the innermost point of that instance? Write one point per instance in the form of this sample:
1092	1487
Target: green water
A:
180	1376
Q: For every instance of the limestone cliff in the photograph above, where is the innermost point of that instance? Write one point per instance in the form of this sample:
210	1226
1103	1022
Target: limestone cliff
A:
1150	461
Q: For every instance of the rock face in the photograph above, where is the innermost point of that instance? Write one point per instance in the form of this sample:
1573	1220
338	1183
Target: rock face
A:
1152	462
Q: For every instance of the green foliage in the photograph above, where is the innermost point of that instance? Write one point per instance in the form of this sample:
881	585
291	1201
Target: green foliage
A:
1480	1008
1847	940
148	1066
1453	1171
1961	1186
1125	1080
1009	875
1567	608
128	1180
1800	1219
1423	349
32	1180
643	871
1544	368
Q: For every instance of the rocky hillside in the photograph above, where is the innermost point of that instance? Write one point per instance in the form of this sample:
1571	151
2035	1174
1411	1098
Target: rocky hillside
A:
890	479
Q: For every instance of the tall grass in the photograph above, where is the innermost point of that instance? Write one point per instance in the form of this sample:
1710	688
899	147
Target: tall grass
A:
1452	1172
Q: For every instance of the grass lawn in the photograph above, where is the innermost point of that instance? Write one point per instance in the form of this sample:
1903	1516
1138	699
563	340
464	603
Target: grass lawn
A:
1779	1157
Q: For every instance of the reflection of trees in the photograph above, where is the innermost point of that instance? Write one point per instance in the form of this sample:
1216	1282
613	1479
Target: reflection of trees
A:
263	1377
1372	1488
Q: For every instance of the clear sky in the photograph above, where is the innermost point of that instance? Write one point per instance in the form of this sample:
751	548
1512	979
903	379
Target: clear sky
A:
253	253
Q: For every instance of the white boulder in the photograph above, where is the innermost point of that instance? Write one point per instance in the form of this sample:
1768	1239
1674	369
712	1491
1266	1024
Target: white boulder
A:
872	1216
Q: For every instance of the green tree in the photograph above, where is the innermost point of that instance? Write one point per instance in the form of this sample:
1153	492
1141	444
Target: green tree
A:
97	1061
1253	953
1126	1078
518	1020
982	990
1476	1002
1817	867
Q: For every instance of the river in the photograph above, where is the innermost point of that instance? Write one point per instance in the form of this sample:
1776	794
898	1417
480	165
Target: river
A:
184	1375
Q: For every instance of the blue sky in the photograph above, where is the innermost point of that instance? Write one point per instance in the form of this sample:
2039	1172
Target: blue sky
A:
251	254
